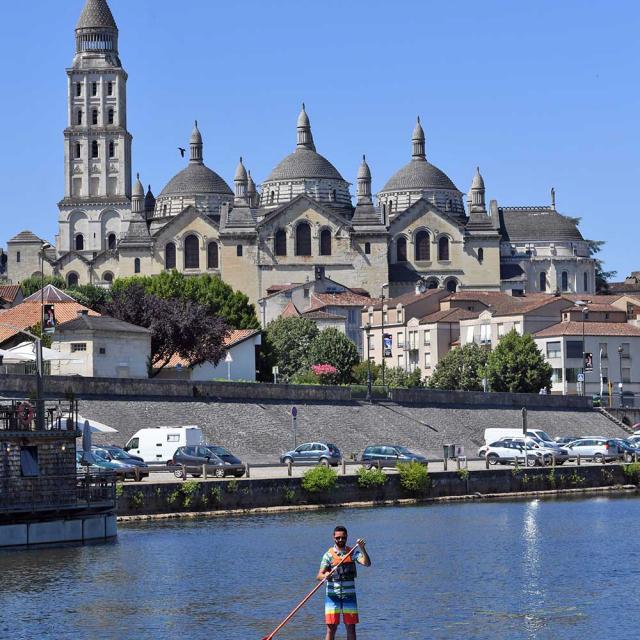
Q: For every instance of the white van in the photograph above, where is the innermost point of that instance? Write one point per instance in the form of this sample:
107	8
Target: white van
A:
495	434
158	444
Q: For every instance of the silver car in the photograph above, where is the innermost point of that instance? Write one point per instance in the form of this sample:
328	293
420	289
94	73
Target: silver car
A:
313	453
515	452
599	449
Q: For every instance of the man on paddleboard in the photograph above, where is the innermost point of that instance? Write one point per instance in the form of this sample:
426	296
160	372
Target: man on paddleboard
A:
341	586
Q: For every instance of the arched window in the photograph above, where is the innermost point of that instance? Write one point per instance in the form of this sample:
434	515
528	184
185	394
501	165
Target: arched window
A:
78	151
367	248
480	254
112	149
422	249
325	242
452	286
272	197
390	206
136	265
94	88
303	239
164	209
170	256
333	195
79	242
72	279
108	277
443	248
109	88
401	249
79	119
94	116
543	281
95	149
432	283
110	116
585	281
280	243
564	281
212	255
191	253
78	89
111	241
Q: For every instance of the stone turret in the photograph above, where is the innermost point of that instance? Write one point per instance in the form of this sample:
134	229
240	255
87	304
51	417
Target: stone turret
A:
305	137
476	194
417	141
364	183
241	181
195	145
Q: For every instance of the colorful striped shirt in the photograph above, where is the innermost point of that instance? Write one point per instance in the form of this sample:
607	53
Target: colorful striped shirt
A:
345	587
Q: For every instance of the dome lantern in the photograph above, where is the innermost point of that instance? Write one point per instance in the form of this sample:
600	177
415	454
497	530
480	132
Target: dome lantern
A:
417	140
195	144
305	137
364	182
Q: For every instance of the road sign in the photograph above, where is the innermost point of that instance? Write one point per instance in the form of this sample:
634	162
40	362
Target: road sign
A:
228	357
294	412
581	377
275	370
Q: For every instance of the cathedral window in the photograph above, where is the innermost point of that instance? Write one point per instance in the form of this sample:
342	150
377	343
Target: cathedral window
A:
280	243
333	195
452	286
239	250
17	256
191	253
272	197
95	149
79	244
170	256
110	116
112	149
79	116
78	89
111	241
303	239
109	88
401	250
94	116
212	255
585	281
422	246
94	88
367	248
564	281
78	153
108	277
543	281
325	242
443	248
136	265
480	254
72	279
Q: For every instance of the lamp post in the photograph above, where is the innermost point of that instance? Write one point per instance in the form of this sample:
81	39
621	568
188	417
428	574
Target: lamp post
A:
382	288
43	248
585	312
367	329
620	385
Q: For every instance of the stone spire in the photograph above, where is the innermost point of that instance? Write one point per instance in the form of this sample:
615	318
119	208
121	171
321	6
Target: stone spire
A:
476	194
417	140
137	197
96	30
241	180
305	137
138	233
195	144
252	192
364	183
149	202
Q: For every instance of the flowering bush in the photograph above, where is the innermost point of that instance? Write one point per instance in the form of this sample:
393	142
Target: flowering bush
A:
327	373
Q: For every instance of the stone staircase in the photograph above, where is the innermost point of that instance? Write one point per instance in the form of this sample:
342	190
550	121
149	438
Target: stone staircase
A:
615	420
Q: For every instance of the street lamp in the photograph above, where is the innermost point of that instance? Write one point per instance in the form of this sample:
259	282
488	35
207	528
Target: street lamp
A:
620	350
585	312
367	329
43	248
382	288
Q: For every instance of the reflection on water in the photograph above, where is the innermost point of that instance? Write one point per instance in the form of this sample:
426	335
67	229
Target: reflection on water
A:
509	570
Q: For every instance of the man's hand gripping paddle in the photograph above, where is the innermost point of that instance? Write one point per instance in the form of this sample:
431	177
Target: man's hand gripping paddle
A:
304	600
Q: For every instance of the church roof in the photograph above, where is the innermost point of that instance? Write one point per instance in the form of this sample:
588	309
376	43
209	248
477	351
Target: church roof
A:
531	224
26	236
49	294
419	174
304	163
195	179
96	15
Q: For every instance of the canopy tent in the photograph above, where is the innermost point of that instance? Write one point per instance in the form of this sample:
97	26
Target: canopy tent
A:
93	425
26	351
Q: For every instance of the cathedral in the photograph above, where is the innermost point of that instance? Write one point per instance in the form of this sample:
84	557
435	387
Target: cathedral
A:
302	220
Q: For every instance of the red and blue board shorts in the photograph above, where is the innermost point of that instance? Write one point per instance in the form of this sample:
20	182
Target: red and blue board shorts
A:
345	604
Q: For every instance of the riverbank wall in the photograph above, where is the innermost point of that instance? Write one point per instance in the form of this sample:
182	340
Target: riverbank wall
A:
246	494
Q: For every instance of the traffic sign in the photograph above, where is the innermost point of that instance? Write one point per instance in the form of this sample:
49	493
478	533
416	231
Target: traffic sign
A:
581	377
294	412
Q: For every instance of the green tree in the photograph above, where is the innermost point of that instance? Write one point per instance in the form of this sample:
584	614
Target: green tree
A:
331	346
206	290
286	343
33	284
360	370
398	377
461	369
96	298
517	365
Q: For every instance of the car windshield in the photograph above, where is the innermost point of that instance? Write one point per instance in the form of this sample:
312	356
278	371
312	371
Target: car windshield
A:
404	451
101	453
543	435
118	454
219	451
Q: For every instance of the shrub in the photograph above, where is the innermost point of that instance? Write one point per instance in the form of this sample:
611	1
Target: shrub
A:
190	490
119	490
305	376
232	486
136	500
368	478
414	477
319	479
632	471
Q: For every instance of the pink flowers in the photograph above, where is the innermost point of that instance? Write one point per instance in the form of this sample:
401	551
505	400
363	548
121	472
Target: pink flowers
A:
323	369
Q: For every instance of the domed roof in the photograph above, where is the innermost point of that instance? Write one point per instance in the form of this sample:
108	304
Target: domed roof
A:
96	15
304	163
419	175
241	173
478	181
196	179
364	173
138	189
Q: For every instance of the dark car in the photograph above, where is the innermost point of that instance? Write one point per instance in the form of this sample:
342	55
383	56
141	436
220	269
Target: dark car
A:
192	459
313	453
223	454
388	455
116	454
628	449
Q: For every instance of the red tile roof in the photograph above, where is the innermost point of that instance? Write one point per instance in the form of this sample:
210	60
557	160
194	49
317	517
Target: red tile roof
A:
290	311
345	298
235	337
448	315
317	314
8	292
575	328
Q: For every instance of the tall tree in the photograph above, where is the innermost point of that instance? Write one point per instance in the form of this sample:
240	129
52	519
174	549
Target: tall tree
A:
461	369
177	327
517	365
287	343
331	346
34	283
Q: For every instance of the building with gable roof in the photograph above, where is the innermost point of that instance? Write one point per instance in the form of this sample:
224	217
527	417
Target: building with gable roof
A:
416	232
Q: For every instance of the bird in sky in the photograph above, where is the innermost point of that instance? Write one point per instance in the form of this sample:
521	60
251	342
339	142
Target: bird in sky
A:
182	151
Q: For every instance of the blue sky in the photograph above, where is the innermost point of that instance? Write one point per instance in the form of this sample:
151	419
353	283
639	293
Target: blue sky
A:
539	94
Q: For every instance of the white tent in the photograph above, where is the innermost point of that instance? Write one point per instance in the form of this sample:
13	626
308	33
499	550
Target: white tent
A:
26	351
93	425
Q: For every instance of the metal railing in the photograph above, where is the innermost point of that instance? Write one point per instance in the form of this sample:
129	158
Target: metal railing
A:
20	415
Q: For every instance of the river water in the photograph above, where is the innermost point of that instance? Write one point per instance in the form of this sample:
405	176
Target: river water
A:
501	570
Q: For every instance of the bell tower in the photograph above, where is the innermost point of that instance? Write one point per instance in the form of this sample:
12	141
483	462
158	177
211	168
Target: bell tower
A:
97	144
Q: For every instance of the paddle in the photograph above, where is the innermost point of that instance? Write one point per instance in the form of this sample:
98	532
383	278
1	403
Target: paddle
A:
304	600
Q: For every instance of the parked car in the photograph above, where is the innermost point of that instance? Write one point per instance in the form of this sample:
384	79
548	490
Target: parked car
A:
596	448
117	455
388	455
634	440
97	464
193	458
628	449
515	451
562	440
224	454
313	453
